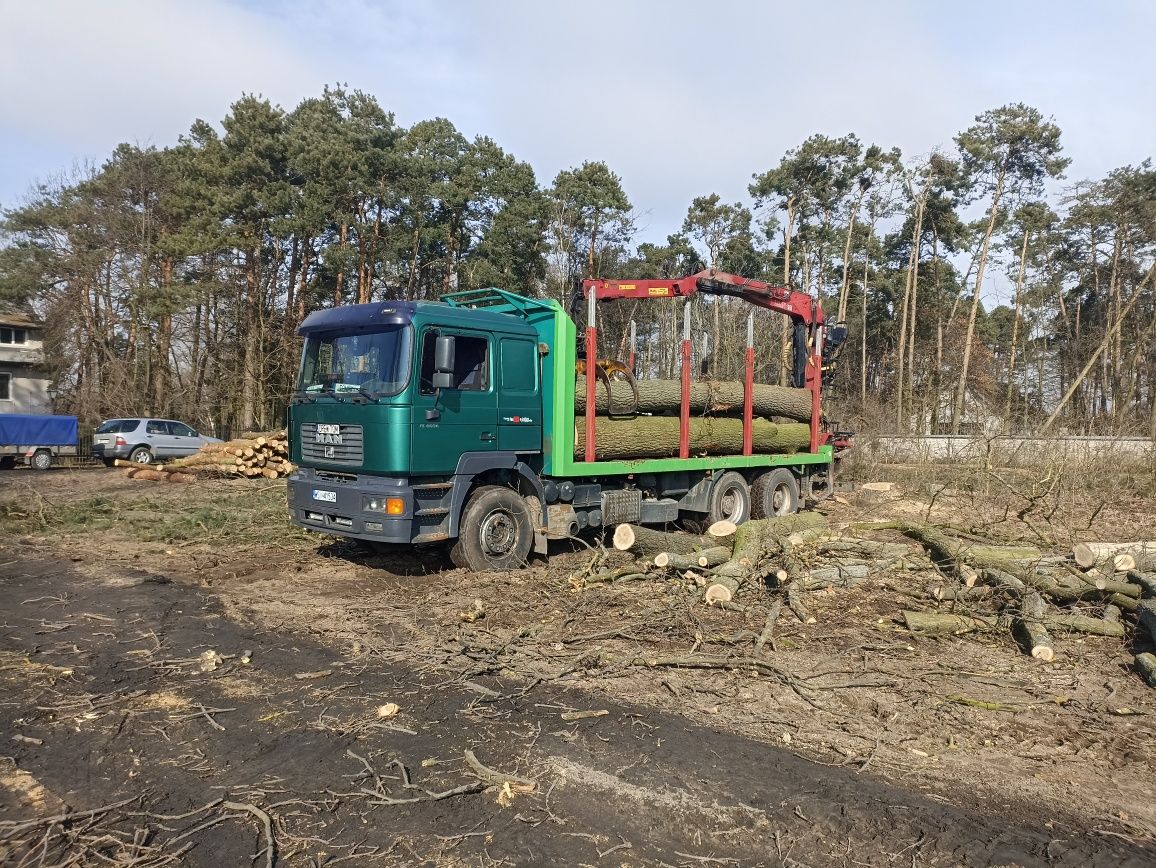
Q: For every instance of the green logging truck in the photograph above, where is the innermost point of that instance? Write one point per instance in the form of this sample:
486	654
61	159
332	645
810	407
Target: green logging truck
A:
471	422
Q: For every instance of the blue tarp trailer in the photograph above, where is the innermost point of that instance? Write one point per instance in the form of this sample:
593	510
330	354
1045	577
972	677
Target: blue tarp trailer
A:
39	439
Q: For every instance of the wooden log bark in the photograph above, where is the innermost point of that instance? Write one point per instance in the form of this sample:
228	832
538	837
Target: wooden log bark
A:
939	624
646	542
1147	581
1085	624
1031	629
710	557
657	437
1146	666
948	549
1146	617
707	398
1101	551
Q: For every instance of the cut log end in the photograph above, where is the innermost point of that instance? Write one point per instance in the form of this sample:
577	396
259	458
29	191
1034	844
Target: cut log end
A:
1083	555
623	537
717	593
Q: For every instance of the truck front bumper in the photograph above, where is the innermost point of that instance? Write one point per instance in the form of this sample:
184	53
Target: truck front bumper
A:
340	505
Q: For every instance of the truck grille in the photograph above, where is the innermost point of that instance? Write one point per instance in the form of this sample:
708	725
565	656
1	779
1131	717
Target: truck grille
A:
346	447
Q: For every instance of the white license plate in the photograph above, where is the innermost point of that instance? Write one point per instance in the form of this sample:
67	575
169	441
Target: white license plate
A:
327	496
328	429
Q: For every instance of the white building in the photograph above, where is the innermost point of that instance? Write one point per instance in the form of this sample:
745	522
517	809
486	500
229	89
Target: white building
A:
24	381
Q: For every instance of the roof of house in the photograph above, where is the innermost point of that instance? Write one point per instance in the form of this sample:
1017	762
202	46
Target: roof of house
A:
15	315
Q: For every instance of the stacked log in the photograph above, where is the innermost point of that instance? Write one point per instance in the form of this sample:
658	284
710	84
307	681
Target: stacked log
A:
264	456
657	437
707	398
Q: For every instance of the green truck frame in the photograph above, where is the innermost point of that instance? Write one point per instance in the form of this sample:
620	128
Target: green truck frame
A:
453	422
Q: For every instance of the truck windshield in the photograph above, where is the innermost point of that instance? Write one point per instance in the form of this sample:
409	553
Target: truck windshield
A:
373	363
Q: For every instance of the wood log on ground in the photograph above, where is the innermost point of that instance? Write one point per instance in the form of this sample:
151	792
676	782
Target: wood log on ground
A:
940	624
1146	666
1146	617
710	557
147	474
1085	624
795	604
723	532
657	437
1101	551
1147	581
1031	629
1114	586
646	542
1112	613
757	542
1130	604
768	634
838	574
707	398
1121	563
864	547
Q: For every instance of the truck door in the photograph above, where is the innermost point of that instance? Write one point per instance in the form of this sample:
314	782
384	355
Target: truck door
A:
449	422
519	398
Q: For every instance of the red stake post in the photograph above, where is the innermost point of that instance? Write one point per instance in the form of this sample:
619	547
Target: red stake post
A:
749	390
591	379
684	409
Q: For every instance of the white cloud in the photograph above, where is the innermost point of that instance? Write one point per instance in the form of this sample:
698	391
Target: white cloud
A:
681	98
93	74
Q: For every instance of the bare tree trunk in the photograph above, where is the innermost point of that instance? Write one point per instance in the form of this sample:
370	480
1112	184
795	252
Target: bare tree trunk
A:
961	389
1011	365
1104	344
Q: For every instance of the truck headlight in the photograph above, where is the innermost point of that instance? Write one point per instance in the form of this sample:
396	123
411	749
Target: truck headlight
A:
388	505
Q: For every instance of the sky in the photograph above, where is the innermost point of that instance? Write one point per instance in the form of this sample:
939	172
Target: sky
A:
680	98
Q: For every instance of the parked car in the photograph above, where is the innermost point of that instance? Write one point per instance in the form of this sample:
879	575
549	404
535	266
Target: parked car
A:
145	440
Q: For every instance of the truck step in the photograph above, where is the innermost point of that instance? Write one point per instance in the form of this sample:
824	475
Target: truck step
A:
432	537
432	486
433	510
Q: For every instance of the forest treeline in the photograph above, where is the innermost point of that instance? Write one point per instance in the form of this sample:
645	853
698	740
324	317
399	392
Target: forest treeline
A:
173	279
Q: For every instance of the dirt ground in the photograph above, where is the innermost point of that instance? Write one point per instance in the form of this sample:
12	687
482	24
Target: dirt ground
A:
217	688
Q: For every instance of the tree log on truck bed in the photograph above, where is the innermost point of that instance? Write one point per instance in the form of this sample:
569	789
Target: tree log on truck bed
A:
657	437
706	399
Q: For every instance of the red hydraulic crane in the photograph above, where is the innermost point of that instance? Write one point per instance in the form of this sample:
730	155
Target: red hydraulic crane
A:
805	313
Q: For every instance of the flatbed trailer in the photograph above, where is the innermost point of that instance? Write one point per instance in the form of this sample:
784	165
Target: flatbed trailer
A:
454	422
37	439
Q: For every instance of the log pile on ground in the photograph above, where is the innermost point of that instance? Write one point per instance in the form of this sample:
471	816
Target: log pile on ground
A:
966	584
263	456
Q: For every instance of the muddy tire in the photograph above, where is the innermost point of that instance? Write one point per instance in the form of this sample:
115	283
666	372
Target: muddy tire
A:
496	531
775	493
730	499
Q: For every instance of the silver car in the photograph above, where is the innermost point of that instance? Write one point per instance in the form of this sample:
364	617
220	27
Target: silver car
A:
144	441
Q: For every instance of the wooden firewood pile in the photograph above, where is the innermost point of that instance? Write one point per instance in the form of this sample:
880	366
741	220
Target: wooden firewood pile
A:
968	584
264	456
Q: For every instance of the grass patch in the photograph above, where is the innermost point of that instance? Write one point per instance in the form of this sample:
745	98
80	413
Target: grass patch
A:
259	515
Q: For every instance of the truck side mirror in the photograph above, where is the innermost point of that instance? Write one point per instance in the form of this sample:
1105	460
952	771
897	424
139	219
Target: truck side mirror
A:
444	352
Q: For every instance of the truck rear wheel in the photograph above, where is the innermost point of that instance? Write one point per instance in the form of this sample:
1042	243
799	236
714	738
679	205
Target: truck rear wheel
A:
775	492
730	499
496	531
41	460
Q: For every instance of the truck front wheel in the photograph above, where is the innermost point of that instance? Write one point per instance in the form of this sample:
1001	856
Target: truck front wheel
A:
496	531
